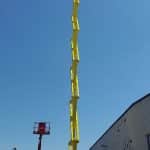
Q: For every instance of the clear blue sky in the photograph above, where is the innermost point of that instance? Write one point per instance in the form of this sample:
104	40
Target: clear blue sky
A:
35	58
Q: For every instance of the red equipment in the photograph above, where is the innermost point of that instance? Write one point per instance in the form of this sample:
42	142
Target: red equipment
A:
42	128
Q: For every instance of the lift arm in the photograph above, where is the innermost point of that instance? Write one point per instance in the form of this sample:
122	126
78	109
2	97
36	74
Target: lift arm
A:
74	128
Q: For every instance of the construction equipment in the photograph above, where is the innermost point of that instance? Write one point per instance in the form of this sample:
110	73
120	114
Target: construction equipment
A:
41	128
74	127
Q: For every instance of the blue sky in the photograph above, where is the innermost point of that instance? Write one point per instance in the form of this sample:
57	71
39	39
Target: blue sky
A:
35	58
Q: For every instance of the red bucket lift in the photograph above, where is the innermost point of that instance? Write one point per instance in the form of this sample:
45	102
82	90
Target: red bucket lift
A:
41	128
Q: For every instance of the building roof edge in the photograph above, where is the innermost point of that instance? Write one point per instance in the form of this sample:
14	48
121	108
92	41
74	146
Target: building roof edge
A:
132	105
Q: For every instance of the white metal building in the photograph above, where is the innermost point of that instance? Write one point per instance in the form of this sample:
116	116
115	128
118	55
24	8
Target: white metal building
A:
131	131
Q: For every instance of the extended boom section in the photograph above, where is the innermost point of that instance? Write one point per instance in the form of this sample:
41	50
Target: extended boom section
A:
74	128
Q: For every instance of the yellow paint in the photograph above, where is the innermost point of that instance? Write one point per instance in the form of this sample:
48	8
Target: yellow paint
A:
74	127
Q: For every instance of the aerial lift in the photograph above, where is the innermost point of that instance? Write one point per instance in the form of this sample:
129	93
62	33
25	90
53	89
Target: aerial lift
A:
74	127
41	128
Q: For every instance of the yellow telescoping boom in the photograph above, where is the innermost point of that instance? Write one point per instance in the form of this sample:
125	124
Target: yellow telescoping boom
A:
74	128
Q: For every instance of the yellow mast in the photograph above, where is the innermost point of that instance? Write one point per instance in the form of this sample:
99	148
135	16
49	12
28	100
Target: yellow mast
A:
74	128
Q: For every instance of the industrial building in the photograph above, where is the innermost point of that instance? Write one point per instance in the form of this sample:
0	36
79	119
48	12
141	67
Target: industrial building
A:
131	131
